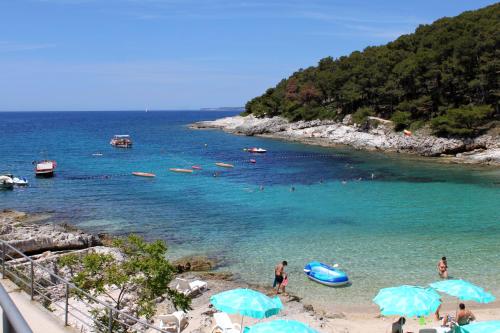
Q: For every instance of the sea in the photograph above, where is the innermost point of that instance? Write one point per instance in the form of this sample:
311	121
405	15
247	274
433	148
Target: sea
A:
385	219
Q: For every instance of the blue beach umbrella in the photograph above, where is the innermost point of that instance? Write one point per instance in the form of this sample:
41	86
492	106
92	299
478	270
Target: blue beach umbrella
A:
246	302
280	326
407	301
464	290
482	327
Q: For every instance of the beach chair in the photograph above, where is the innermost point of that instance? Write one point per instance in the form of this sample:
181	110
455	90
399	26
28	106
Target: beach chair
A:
174	322
190	288
223	324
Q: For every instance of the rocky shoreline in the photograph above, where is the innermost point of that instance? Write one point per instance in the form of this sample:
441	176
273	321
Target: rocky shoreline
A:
376	135
46	243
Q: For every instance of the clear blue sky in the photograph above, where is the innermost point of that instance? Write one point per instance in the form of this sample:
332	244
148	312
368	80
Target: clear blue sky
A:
183	54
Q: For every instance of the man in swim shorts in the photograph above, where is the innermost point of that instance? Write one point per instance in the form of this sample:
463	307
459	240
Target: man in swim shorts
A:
279	273
442	268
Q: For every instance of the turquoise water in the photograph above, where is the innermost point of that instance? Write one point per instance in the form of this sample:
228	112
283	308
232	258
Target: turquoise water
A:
384	231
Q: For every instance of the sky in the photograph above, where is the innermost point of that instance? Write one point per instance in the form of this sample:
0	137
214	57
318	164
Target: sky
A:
67	55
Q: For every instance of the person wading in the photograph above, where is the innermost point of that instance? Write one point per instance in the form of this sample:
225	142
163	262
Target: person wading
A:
279	273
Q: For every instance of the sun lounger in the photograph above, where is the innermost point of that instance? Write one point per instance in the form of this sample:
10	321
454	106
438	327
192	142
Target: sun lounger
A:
224	324
174	322
190	288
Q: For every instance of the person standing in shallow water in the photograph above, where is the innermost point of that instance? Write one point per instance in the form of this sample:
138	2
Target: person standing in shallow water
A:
442	268
279	273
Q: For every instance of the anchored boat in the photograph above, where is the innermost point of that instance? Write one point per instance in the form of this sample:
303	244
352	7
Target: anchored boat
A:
181	170
224	165
325	274
45	168
18	181
143	174
6	183
121	141
256	150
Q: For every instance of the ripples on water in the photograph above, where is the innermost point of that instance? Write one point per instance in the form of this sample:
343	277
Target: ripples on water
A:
386	219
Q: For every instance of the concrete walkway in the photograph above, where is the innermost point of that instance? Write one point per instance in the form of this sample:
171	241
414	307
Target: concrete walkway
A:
38	318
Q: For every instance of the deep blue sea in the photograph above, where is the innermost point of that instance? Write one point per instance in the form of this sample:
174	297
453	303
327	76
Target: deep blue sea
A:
386	219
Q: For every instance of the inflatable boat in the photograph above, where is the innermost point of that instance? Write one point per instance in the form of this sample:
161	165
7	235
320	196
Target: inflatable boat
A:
325	274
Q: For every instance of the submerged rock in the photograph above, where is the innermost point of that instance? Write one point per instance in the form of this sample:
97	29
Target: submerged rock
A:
194	264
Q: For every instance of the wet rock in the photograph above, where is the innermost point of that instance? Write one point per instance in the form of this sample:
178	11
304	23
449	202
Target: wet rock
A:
194	264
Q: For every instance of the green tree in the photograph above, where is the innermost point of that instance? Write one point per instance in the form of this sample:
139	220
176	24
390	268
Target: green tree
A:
144	272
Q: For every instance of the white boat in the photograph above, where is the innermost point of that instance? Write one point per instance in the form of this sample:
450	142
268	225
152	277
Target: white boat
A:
18	181
6	182
45	168
256	150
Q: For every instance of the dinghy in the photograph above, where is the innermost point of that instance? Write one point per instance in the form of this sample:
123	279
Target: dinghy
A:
181	170
253	161
18	181
224	165
196	167
143	174
326	274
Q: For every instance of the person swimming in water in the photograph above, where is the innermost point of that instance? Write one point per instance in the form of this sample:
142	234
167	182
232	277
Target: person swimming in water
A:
442	268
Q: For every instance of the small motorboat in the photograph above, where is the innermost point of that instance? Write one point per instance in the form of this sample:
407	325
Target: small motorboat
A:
18	181
181	170
325	274
96	154
256	150
143	174
6	183
121	141
196	167
45	168
224	165
253	161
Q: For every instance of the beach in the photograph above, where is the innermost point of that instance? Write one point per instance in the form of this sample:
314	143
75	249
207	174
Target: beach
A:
16	227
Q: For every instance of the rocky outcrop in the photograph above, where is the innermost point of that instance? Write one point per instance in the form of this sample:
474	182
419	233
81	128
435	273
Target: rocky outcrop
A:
377	134
19	231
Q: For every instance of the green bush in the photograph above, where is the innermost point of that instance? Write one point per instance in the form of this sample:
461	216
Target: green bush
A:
401	120
361	115
464	121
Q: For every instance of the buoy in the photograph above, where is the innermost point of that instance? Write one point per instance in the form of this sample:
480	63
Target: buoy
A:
407	133
253	161
196	167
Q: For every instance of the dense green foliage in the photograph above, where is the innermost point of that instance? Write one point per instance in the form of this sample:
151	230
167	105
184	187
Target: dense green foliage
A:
421	77
144	271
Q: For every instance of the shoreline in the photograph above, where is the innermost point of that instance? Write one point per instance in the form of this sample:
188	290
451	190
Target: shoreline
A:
335	317
377	137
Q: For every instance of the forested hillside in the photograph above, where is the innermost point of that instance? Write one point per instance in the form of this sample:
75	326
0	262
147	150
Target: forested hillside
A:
444	75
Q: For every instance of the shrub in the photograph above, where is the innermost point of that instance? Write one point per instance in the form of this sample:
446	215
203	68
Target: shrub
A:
361	115
401	120
462	122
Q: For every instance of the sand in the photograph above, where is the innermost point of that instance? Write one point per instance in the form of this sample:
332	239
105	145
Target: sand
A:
353	319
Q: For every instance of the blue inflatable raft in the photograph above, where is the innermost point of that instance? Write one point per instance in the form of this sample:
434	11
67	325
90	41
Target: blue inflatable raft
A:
325	274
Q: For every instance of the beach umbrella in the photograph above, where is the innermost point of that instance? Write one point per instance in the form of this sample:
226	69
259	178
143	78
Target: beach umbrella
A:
246	302
482	327
463	290
407	301
280	326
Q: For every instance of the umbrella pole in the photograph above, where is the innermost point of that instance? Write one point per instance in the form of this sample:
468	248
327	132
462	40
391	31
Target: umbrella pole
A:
241	326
